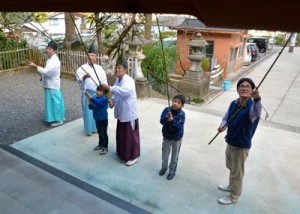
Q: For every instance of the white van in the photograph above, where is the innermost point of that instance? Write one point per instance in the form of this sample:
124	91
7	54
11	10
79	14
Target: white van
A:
248	57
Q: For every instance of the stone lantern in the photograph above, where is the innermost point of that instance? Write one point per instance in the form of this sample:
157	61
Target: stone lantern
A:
136	56
194	83
196	46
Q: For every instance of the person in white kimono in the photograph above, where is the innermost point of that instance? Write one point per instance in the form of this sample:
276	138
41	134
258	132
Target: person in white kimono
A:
88	76
124	101
50	77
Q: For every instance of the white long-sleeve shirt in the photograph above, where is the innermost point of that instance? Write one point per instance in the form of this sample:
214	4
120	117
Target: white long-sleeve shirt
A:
125	99
51	73
93	82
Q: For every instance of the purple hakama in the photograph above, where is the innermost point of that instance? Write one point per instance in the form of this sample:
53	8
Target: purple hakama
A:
128	140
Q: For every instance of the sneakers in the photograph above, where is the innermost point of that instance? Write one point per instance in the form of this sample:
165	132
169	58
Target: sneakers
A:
131	162
170	176
227	200
224	188
57	123
97	148
103	151
162	172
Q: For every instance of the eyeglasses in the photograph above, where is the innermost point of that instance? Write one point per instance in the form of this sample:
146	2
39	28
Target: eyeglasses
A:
245	86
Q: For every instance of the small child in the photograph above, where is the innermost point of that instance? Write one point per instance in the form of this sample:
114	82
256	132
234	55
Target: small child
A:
172	118
99	105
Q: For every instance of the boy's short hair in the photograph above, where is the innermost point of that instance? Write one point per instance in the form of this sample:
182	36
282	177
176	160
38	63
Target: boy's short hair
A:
180	97
245	79
100	88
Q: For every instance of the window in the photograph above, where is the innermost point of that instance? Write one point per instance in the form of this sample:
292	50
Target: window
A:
209	49
53	22
240	52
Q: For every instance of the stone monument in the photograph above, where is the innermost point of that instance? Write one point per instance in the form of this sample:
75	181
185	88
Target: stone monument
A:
135	58
194	83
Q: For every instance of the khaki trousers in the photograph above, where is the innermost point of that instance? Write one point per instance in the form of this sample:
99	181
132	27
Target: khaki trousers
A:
235	162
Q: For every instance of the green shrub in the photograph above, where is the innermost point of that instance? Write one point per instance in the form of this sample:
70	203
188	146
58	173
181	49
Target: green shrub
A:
7	44
205	64
197	100
280	40
154	60
167	34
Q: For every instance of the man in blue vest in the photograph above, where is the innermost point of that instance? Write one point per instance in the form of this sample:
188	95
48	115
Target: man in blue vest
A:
240	126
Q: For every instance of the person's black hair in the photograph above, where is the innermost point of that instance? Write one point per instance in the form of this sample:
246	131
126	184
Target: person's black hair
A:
180	97
245	79
52	45
122	61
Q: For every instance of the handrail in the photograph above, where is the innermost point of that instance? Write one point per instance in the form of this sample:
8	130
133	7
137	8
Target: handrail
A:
160	85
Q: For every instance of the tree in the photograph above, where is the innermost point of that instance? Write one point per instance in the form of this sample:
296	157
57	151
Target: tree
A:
70	30
40	17
13	21
111	29
99	32
148	26
124	33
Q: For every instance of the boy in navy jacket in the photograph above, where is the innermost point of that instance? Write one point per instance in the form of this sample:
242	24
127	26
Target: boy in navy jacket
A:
172	118
99	105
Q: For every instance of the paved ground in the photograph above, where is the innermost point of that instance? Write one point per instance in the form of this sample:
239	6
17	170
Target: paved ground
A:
22	106
271	181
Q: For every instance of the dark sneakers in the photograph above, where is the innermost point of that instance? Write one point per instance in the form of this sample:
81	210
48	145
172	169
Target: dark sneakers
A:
170	176
103	151
97	148
162	172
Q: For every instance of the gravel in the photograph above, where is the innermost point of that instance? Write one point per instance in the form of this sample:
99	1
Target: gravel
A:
22	106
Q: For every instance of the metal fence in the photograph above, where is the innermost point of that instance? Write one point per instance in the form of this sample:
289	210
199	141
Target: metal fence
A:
163	87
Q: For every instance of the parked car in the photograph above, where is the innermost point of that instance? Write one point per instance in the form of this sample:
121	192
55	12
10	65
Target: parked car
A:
247	57
254	51
262	43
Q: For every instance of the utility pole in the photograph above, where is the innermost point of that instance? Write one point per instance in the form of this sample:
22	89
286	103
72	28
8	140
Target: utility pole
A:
292	43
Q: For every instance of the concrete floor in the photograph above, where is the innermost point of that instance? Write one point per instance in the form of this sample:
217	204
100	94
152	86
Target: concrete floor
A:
271	183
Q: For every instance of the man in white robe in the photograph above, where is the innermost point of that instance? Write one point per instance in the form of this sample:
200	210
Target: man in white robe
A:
50	77
88	76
